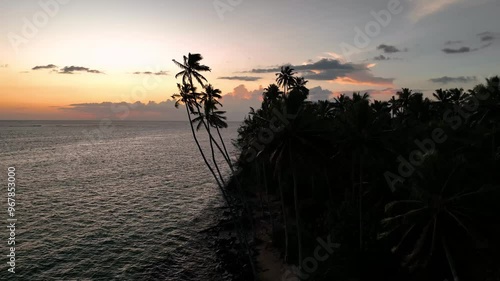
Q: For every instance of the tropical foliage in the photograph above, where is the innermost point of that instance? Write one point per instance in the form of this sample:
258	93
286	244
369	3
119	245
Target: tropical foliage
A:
408	187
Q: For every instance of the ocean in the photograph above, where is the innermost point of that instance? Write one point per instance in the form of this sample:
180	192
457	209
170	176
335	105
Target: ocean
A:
118	202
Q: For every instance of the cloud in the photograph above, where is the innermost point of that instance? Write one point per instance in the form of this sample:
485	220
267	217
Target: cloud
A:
132	111
333	70
151	73
318	93
451	42
237	104
487	36
459	79
241	78
457	51
50	66
381	58
388	49
4	65
374	93
73	69
424	8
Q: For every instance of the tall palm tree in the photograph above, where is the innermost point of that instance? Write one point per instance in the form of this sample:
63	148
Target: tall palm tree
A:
285	77
187	95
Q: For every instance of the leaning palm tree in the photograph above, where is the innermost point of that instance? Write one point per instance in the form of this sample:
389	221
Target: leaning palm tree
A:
285	77
190	69
187	95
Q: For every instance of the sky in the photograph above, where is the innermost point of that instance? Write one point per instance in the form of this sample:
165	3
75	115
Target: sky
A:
88	59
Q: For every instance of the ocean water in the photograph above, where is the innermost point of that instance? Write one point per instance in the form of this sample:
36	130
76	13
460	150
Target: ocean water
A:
119	202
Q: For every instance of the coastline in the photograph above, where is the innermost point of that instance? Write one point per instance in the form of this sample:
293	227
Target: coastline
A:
233	263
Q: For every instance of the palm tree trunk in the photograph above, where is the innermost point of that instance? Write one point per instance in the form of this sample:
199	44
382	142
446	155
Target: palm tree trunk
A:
238	184
223	145
213	156
200	149
239	227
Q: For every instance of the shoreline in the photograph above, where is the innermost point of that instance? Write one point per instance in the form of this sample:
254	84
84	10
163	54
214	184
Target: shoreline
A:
233	262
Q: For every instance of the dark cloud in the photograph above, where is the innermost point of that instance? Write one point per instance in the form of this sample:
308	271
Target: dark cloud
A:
50	66
241	78
459	79
151	73
73	69
457	51
451	42
487	36
388	49
332	69
381	57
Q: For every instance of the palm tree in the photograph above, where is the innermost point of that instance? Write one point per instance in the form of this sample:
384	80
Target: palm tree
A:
187	95
191	68
437	212
285	77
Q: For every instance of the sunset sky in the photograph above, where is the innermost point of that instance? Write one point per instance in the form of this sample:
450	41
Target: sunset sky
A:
88	59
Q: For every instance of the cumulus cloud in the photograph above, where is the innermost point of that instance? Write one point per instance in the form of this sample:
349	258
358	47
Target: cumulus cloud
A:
459	79
318	93
241	78
122	110
388	49
236	103
151	73
333	70
73	69
50	66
